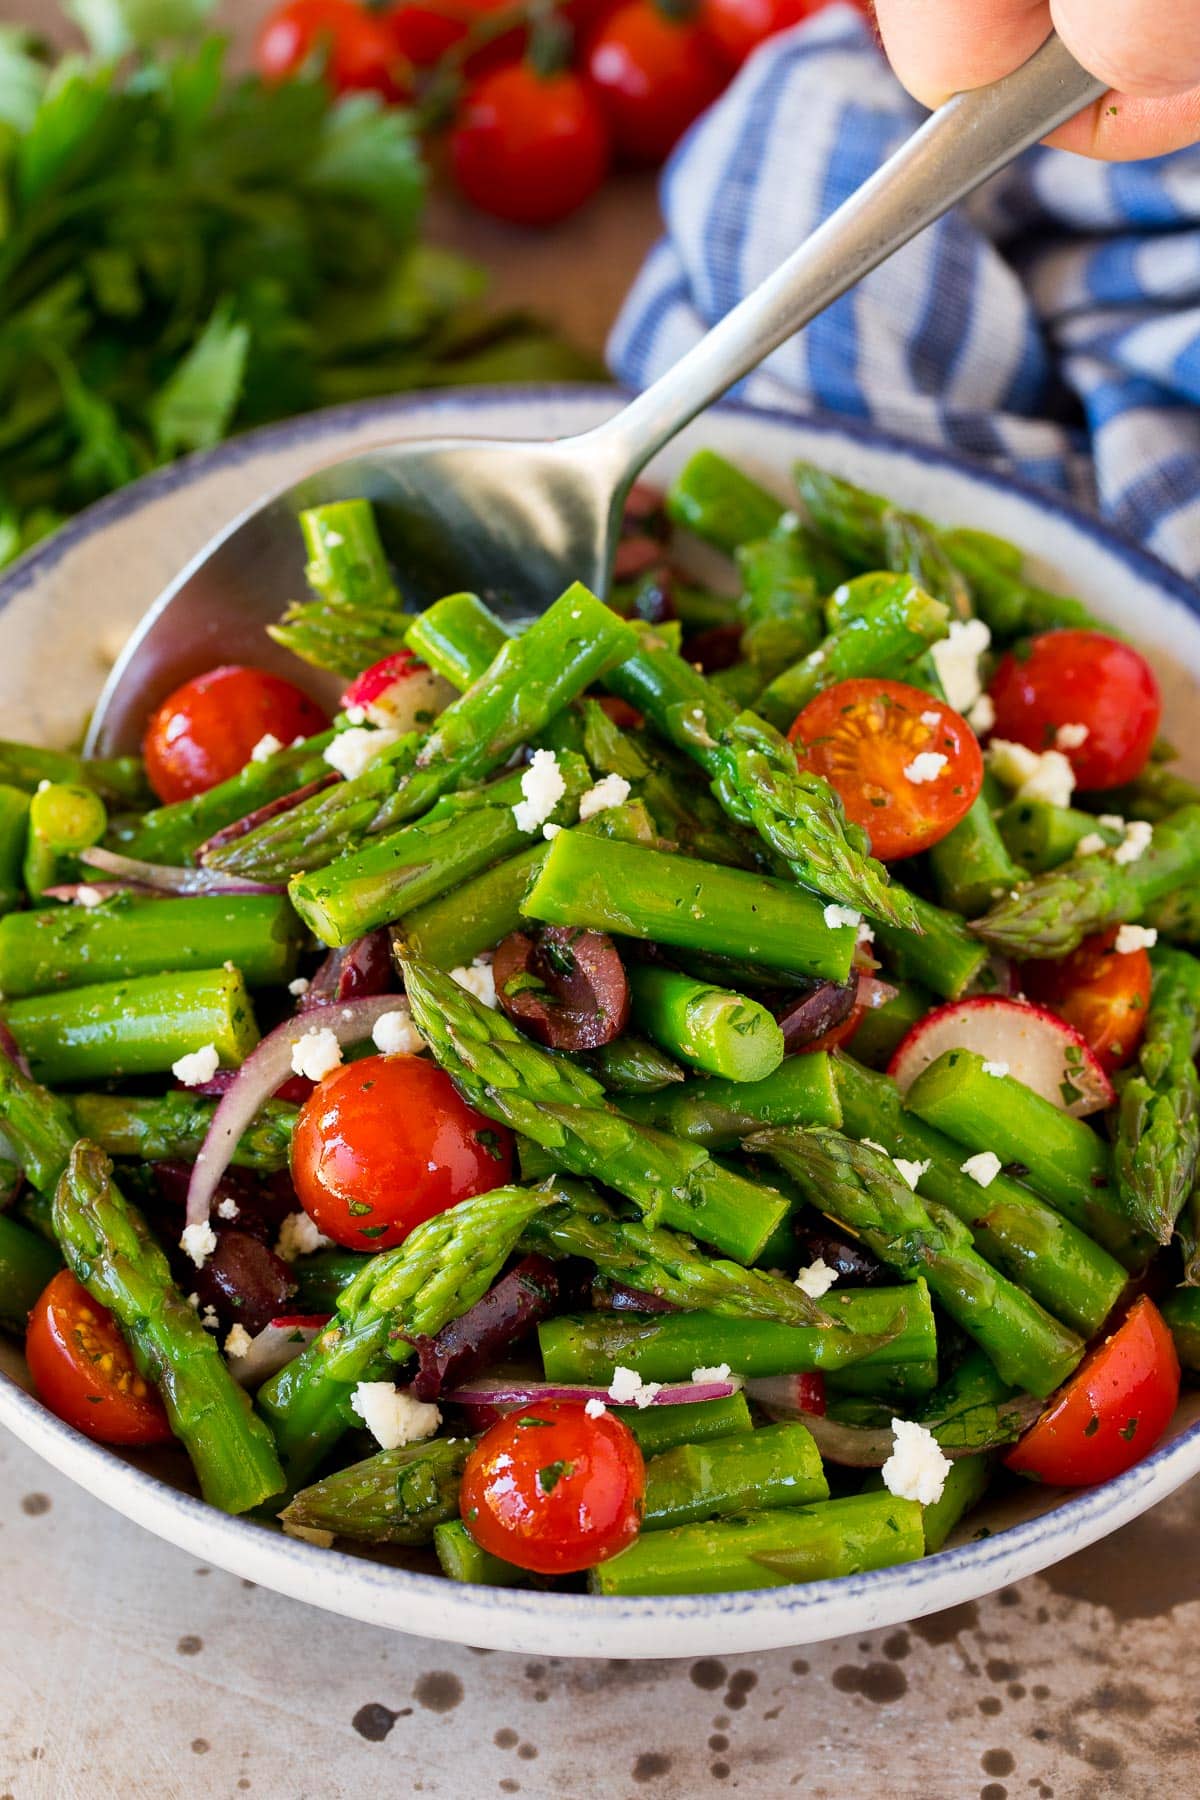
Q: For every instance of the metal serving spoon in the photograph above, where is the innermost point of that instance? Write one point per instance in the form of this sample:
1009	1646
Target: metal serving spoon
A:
515	522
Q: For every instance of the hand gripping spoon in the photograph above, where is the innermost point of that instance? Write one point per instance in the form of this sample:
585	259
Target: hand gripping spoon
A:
516	522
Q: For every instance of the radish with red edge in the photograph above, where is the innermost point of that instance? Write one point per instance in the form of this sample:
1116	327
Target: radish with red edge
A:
279	1342
1028	1042
398	691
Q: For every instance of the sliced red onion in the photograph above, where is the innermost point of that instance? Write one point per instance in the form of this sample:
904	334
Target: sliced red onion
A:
276	1345
164	879
789	1396
267	1067
868	1446
506	1396
229	834
10	1048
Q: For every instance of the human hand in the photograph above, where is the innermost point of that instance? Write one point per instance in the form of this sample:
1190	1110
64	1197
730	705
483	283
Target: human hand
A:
1147	50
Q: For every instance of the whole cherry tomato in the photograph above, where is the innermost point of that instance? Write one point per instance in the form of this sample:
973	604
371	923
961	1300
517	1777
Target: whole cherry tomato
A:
653	76
423	30
1084	693
906	766
739	26
1113	1410
385	1143
207	729
83	1370
360	52
1103	993
528	147
552	1489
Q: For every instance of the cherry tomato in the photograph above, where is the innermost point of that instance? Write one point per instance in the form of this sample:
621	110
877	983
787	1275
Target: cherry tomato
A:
387	1142
358	45
1102	993
83	1370
423	30
865	737
529	148
1113	1410
738	26
206	730
653	76
1080	678
552	1490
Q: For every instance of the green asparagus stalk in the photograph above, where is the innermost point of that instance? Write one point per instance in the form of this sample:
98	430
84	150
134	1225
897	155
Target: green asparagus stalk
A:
1041	836
709	1028
881	1028
1052	914
355	617
461	1559
393	1497
848	517
321	1277
172	1127
662	1428
941	953
561	1107
1156	1144
881	641
109	1248
965	1484
778	1465
63	819
137	1027
974	1407
36	1125
119	780
912	547
451	930
720	504
1181	1310
1176	918
27	1263
458	637
1010	605
70	947
780	604
1155	793
682	812
862	1188
719	1114
14	831
631	1065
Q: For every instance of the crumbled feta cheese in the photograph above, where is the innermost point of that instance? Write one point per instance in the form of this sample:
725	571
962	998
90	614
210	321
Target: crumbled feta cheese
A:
86	895
932	719
308	1534
350	752
298	1236
356	715
872	1145
1135	843
1090	844
836	916
865	933
543	787
551	830
982	715
266	747
995	1068
703	1376
916	1469
1135	937
477	980
299	987
927	766
787	521
228	1209
983	1168
628	1389
393	1417
209	1319
197	1067
1047	777
911	1171
1070	737
612	791
193	1301
956	659
238	1342
316	1054
595	1409
198	1242
394	1034
817	1279
1113	821
1011	763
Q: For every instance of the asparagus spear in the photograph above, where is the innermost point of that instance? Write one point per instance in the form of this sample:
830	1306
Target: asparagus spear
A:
912	547
1054	913
941	952
1157	1139
355	618
862	1188
682	812
662	1428
630	1065
560	1106
1152	795
27	1263
452	929
120	780
1181	1310
63	819
881	1028
1041	836
883	640
321	1277
14	830
36	1125
719	1114
711	1029
393	1497
109	1248
172	1127
457	637
461	1559
720	504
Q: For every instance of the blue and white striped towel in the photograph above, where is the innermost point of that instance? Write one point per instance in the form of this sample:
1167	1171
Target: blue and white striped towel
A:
1050	325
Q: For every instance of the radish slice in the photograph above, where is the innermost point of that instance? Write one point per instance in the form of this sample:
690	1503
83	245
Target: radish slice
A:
399	692
276	1345
165	879
507	1396
1035	1046
265	1070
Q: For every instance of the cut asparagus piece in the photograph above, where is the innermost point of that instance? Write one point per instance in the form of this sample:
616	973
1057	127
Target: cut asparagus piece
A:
119	780
883	640
63	819
775	1466
941	953
461	1559
1156	1144
711	1029
14	832
662	1428
355	617
394	1497
172	1127
630	1065
1181	1310
720	504
881	1029
1041	836
451	930
27	1263
719	1114
458	637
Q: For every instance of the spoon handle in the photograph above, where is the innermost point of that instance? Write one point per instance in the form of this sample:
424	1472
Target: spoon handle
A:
970	138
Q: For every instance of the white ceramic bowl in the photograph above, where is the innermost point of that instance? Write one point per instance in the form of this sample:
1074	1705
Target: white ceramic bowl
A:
63	613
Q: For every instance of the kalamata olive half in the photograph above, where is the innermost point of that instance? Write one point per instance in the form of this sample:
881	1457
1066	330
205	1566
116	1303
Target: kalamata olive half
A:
565	987
244	1282
806	1017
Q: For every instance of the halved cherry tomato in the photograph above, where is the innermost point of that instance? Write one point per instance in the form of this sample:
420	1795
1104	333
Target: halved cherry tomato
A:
553	1490
361	53
1102	993
83	1370
652	75
384	1143
906	766
528	147
1113	1410
1087	680
206	730
738	26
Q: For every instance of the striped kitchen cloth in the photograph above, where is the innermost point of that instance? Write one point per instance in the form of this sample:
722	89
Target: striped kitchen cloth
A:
1050	325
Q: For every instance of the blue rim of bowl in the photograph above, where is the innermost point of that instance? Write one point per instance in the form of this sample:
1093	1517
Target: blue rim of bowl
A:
1072	1520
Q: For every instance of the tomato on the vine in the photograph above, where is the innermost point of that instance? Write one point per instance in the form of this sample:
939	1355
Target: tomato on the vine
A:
739	26
1103	992
360	50
554	1490
1084	693
907	767
384	1143
653	76
83	1370
529	147
422	31
207	729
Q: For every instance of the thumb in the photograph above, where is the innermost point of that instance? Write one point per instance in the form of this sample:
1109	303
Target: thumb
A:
938	47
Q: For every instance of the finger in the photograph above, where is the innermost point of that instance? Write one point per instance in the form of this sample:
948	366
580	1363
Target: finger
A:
1147	48
1119	128
938	47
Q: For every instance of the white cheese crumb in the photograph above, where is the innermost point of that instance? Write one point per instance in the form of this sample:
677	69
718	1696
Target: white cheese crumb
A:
628	1389
198	1242
394	1034
1135	843
1069	737
932	719
193	1301
393	1417
356	715
1135	937
703	1376
298	1236
925	767
956	659
477	980
543	786
1047	777
872	1145
551	830
983	1168
209	1319
995	1068
299	986
788	521
911	1171
836	916
85	895
308	1534
595	1409
316	1054
1113	821
238	1342
266	747
613	790
982	715
42	786
350	752
817	1279
228	1209
1091	844
916	1469
197	1067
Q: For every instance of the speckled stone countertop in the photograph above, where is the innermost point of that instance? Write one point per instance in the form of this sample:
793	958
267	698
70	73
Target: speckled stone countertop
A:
128	1670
